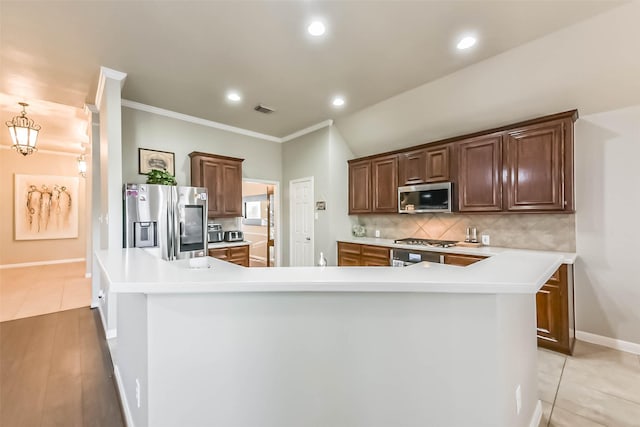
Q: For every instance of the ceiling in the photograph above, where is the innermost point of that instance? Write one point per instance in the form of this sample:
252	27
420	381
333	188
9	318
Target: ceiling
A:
183	56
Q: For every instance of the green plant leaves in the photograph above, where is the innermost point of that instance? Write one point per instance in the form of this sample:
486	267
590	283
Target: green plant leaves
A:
162	177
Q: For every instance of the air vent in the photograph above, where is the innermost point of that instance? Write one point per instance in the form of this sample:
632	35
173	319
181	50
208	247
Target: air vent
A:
263	109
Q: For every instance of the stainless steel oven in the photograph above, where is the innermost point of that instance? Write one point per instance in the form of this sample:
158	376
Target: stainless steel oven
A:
405	257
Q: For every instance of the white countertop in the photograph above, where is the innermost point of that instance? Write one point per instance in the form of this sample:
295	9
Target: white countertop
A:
137	271
488	251
220	245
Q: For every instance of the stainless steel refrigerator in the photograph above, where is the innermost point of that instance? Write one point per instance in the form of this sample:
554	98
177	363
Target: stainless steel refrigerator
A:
170	218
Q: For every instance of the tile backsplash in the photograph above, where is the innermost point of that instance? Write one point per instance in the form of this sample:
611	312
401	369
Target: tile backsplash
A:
228	224
555	232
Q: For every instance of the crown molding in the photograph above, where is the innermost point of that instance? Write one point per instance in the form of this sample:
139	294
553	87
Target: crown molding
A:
107	73
307	130
197	120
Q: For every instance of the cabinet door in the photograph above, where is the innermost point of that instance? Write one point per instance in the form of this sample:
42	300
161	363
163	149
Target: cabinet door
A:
239	255
479	174
211	178
412	167
375	256
231	191
360	187
437	164
552	311
534	162
384	172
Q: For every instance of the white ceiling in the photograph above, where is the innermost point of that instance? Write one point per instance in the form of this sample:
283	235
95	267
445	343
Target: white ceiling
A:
183	56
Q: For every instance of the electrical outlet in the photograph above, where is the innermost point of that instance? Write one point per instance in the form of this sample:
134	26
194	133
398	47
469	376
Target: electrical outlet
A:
138	392
518	399
486	240
377	233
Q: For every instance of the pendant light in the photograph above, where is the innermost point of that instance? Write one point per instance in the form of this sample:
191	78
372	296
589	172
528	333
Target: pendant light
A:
24	132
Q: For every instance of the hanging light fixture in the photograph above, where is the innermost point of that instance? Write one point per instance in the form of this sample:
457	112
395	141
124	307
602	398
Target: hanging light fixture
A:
82	166
24	132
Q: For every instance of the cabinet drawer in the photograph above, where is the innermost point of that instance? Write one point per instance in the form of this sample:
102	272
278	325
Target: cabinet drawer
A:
239	255
375	262
349	248
376	252
222	253
462	260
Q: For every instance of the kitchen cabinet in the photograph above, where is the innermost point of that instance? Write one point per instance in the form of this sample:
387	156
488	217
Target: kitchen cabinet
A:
360	187
352	254
462	260
480	174
422	166
555	312
236	254
536	167
373	185
222	176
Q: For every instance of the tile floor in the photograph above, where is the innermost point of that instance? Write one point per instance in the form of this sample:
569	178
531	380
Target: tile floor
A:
32	291
597	386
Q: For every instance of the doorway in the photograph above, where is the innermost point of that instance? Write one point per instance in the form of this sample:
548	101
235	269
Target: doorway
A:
301	252
260	222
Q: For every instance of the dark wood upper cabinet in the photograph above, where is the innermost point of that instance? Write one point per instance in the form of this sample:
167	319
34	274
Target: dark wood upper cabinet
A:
412	167
479	174
384	172
222	176
424	166
437	160
373	185
360	187
535	167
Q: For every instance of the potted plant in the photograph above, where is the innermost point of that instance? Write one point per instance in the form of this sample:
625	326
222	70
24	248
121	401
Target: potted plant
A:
159	176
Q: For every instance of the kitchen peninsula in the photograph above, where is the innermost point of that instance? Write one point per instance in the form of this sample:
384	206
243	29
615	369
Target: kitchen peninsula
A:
429	344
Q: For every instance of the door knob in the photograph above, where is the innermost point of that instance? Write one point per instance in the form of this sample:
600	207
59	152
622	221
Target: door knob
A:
308	238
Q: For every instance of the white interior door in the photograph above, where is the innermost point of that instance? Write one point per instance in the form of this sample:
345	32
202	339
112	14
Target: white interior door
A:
301	213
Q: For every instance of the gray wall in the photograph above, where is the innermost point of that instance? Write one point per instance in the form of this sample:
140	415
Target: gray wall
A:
141	129
322	154
302	157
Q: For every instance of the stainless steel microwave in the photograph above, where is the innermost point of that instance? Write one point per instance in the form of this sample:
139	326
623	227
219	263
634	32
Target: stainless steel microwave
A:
425	198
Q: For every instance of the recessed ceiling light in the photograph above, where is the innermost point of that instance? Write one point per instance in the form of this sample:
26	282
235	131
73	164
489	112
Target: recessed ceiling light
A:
466	42
316	28
338	101
234	96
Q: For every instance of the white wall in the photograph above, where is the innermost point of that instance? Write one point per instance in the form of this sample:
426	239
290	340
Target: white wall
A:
141	129
608	201
593	66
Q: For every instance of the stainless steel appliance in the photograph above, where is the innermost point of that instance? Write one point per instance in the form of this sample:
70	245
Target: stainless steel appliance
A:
426	198
426	242
405	257
172	219
234	236
215	233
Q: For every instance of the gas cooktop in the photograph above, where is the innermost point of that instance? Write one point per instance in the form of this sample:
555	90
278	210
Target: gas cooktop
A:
426	242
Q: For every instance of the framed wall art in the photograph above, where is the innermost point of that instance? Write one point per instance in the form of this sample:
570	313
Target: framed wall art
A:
45	207
154	159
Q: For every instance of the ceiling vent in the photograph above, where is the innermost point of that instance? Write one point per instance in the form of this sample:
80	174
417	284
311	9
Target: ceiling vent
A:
263	109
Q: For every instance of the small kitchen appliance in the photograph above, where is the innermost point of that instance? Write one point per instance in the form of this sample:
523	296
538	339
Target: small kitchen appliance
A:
215	233
234	236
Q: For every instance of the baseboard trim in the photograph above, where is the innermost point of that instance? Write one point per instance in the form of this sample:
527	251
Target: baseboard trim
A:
36	263
537	415
629	347
123	398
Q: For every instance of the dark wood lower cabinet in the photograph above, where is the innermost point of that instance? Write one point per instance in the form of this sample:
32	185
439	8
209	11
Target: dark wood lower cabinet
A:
554	301
555	313
353	255
236	254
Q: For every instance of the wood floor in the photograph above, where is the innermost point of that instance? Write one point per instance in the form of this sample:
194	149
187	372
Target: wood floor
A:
55	370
